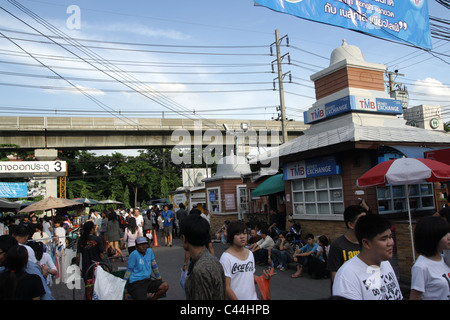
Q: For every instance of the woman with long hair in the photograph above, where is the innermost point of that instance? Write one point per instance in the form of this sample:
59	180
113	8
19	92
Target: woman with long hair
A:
131	233
15	282
113	232
89	248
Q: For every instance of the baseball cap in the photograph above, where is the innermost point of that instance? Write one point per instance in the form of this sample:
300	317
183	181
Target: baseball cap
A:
142	240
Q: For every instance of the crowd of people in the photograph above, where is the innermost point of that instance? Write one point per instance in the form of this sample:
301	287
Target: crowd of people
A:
30	250
357	262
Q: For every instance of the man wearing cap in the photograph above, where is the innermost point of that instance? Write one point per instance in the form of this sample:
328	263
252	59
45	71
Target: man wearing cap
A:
141	262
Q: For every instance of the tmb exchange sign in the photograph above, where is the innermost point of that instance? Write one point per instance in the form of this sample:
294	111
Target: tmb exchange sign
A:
13	169
404	21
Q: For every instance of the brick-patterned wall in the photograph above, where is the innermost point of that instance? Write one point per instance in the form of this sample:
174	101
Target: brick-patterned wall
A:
226	186
404	249
349	77
354	164
217	221
334	229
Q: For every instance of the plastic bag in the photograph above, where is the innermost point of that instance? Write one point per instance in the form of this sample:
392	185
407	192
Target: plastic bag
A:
183	277
264	285
107	286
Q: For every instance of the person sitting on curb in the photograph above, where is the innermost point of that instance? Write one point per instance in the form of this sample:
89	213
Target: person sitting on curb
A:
261	248
302	255
281	253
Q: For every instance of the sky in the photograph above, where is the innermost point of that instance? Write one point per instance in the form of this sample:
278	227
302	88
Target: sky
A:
186	59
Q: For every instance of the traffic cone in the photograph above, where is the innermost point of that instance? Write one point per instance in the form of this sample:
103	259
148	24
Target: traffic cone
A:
155	239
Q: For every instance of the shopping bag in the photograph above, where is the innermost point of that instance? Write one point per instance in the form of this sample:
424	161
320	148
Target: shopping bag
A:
107	286
264	285
183	277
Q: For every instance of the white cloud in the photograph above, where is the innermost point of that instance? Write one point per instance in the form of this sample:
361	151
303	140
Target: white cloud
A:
432	88
137	29
91	91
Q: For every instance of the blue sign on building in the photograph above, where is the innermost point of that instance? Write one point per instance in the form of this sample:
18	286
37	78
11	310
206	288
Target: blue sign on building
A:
310	168
405	21
353	103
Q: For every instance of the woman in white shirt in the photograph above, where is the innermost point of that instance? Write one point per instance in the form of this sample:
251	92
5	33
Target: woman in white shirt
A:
40	235
59	233
131	233
430	274
239	265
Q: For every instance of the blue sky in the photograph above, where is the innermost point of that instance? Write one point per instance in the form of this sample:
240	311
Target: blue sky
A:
203	58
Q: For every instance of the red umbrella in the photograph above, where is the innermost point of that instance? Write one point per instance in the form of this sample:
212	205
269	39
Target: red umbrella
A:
405	171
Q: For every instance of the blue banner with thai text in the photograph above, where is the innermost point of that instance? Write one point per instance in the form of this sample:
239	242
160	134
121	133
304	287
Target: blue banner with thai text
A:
405	21
13	190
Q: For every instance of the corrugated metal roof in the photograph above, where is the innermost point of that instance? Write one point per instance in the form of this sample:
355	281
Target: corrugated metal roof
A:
314	138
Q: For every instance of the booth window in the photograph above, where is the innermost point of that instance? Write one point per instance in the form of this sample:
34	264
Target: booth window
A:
322	195
243	199
214	200
392	199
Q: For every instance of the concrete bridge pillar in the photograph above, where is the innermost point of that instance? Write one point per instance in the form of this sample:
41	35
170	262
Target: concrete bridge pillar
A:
51	183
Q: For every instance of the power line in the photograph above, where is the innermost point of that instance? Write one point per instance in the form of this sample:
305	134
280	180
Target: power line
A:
138	44
149	72
141	91
32	75
120	74
77	45
96	101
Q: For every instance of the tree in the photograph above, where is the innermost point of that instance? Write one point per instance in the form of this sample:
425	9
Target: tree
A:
136	173
126	197
150	175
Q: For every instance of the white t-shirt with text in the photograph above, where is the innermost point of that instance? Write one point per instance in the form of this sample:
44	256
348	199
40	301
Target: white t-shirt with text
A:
355	280
241	273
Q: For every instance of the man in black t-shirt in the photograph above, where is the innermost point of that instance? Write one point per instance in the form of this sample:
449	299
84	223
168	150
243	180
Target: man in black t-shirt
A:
195	210
346	246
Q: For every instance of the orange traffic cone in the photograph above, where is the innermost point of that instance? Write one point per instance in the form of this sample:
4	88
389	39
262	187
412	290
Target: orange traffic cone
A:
155	239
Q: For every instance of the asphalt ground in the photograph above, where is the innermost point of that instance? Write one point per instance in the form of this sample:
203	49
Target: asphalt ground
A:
170	260
289	297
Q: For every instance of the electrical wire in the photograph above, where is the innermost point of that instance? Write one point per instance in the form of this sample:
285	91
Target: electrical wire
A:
138	44
115	72
78	45
96	101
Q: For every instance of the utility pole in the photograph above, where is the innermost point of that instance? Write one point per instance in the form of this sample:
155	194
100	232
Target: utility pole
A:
280	86
396	90
391	80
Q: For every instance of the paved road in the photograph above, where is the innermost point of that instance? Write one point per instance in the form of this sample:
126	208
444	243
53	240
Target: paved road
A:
170	260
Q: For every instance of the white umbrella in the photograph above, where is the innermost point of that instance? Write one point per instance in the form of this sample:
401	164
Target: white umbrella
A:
110	202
